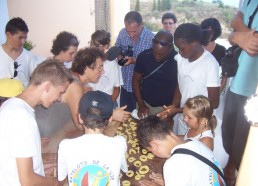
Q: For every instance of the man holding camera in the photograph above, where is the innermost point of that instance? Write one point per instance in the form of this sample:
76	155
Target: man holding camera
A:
155	75
134	35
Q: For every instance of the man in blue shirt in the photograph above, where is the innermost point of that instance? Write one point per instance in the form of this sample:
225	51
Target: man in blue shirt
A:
155	75
140	38
235	127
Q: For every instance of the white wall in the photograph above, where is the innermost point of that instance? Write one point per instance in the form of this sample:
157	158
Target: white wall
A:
4	17
119	8
46	18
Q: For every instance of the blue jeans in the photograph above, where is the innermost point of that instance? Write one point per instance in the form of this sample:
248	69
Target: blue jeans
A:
127	98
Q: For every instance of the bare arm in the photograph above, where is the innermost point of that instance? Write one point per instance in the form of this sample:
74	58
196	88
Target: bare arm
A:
248	41
72	97
242	36
115	94
208	142
213	94
237	22
174	108
28	177
61	183
143	109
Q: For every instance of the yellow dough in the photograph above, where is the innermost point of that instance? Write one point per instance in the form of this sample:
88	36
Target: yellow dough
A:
130	173
144	169
143	158
137	163
126	183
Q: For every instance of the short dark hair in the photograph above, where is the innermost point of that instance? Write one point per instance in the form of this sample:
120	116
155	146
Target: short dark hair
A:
166	33
100	37
132	17
51	70
93	123
86	58
151	128
63	41
214	25
169	15
15	25
190	32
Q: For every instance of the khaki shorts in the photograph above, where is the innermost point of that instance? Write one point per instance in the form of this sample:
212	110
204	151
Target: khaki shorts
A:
153	110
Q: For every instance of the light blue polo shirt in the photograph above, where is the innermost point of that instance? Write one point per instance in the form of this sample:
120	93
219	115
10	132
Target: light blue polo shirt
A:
246	80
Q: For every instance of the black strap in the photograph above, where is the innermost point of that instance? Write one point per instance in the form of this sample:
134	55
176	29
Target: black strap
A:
167	58
252	17
145	77
201	158
248	2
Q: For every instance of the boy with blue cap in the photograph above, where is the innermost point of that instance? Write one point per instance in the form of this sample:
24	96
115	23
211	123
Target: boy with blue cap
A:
88	159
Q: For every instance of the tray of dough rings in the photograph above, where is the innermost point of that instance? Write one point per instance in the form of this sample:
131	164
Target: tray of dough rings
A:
140	162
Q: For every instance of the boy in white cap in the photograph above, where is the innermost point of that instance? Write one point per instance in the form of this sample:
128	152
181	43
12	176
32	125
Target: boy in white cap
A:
88	159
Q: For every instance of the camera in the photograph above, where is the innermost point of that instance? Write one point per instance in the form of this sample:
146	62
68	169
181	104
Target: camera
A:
124	53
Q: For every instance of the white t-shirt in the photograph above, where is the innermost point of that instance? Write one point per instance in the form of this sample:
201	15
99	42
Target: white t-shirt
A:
92	159
187	170
19	138
193	79
26	62
111	78
206	133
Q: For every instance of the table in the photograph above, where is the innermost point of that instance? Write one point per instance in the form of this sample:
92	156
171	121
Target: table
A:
141	162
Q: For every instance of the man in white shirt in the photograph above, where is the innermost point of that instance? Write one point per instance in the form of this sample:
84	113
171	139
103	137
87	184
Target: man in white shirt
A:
20	144
16	61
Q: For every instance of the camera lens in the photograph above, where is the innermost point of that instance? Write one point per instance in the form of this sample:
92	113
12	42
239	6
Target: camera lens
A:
122	61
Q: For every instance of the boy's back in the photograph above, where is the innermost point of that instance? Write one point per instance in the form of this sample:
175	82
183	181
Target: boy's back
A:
184	169
92	158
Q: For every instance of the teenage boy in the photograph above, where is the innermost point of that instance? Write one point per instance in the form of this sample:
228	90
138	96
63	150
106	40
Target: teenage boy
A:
93	159
179	169
16	62
20	144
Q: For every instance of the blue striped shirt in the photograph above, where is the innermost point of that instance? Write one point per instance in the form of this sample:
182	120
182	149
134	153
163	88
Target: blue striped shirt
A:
143	42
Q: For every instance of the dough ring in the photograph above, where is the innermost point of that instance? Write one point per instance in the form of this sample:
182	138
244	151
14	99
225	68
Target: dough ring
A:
130	173
131	159
137	163
143	158
126	183
144	169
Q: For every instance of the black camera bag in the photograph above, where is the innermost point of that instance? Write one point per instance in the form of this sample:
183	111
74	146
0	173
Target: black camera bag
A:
229	63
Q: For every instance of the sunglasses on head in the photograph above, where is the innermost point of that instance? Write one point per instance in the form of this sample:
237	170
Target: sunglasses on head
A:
155	41
16	65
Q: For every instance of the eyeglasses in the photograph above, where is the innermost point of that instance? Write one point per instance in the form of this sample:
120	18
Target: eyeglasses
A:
16	65
91	43
97	68
168	23
155	41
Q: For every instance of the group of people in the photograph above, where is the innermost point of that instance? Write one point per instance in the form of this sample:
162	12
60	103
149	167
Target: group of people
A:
173	90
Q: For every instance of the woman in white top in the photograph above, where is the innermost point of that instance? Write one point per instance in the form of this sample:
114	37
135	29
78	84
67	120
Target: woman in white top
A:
111	80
